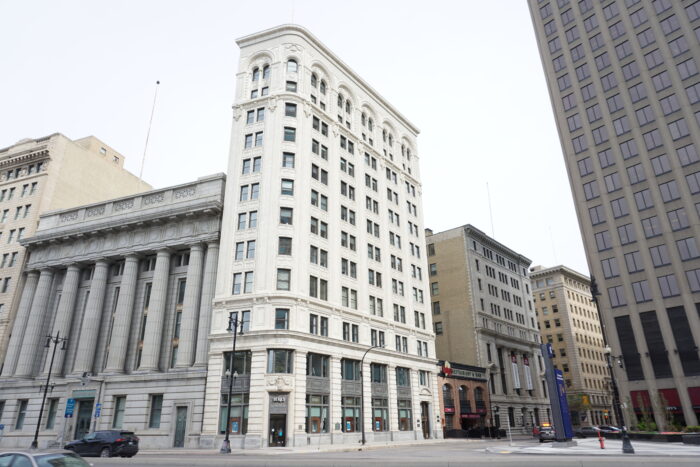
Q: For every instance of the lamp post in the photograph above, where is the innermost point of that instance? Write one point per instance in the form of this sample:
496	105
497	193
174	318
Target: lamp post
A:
362	390
233	324
55	340
626	443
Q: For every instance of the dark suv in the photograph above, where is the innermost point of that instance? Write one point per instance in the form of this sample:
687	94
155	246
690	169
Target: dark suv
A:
106	443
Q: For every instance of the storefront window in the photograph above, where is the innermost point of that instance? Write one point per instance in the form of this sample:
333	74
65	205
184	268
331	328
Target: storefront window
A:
378	373
316	413
241	362
351	414
350	369
380	414
405	415
239	414
280	361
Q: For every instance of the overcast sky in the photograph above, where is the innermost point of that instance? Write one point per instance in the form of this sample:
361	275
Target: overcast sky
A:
467	73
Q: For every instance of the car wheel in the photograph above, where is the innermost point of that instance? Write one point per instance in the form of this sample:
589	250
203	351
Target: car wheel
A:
541	441
105	452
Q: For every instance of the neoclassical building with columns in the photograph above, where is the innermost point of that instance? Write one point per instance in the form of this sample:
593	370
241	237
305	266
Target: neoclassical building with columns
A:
129	283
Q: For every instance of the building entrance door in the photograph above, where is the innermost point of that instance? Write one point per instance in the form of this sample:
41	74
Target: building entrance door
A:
180	427
82	422
278	428
425	419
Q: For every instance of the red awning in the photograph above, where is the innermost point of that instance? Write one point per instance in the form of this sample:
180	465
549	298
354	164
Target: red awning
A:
671	399
640	400
694	394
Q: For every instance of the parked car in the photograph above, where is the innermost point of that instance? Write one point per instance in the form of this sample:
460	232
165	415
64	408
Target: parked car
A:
609	429
586	431
106	443
544	433
42	459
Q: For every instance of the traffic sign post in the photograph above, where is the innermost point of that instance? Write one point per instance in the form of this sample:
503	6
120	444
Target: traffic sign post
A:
98	410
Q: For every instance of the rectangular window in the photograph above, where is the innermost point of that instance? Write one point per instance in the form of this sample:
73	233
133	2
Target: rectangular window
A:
280	361
119	409
156	410
21	413
51	415
283	279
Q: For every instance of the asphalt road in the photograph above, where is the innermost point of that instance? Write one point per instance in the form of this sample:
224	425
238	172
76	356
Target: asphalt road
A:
438	455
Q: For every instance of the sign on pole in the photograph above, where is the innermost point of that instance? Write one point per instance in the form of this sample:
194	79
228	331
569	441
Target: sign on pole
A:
70	408
98	410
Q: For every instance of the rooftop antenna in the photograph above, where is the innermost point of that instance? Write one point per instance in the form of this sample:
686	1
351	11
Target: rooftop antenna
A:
488	193
148	134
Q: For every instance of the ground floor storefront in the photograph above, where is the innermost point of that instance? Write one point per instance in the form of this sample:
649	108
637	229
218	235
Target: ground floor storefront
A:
295	391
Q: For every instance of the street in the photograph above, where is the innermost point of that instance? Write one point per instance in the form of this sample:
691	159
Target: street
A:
450	453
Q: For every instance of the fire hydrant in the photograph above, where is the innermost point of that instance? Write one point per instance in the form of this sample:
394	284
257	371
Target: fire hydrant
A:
601	440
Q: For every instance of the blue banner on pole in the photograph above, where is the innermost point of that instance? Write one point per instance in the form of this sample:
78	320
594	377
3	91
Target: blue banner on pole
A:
98	410
70	408
564	404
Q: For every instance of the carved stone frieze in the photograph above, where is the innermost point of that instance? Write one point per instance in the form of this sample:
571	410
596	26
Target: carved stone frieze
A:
185	192
94	211
69	216
123	205
154	199
279	383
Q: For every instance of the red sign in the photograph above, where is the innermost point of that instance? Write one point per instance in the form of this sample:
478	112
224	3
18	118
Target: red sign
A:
471	415
449	410
447	370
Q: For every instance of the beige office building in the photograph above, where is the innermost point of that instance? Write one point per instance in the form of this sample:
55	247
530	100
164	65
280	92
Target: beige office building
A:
568	320
624	81
46	174
483	316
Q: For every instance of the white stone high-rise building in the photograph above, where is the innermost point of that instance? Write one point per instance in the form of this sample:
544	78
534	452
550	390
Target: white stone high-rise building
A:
322	257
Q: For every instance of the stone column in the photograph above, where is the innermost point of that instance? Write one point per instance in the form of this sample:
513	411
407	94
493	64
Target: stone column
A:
122	316
64	315
32	334
190	308
85	356
20	325
150	354
205	306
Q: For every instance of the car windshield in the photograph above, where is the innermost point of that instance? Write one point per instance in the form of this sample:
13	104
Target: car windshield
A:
60	460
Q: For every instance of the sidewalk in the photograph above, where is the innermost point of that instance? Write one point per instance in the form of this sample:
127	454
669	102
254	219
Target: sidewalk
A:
591	447
265	451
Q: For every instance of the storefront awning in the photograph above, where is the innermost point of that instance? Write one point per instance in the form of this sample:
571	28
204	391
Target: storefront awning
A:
670	398
694	394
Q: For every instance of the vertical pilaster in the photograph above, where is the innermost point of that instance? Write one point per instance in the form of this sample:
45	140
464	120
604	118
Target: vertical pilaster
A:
25	305
64	315
205	306
190	308
85	355
156	312
122	319
35	324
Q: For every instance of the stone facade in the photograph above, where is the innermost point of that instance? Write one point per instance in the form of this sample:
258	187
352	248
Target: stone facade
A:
41	175
568	320
129	282
316	153
483	315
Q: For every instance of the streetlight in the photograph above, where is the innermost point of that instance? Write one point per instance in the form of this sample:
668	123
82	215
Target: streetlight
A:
233	324
57	339
626	443
362	390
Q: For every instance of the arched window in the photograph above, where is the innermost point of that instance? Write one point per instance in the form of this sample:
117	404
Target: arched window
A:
463	393
408	153
403	151
292	66
322	87
256	74
314	80
384	135
447	394
370	124
266	72
364	119
340	101
391	140
348	106
478	394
